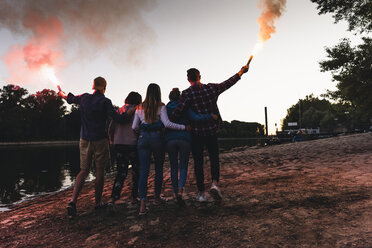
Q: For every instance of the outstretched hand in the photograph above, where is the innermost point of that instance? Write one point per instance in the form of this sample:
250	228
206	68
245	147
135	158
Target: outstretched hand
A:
243	70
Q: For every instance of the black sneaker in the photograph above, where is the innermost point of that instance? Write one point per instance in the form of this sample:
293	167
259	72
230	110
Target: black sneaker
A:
71	209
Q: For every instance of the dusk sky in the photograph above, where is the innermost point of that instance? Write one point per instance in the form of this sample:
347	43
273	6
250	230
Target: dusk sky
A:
160	40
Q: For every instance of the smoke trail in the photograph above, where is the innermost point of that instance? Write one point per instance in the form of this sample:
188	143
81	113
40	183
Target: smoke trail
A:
43	46
84	28
271	11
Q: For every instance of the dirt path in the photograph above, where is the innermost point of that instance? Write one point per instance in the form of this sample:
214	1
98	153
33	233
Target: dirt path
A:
309	194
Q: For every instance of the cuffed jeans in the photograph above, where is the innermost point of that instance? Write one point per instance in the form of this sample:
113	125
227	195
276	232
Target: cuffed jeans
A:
178	152
150	143
125	155
197	147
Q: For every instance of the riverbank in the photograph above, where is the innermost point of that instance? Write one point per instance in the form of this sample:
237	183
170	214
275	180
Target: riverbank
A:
308	194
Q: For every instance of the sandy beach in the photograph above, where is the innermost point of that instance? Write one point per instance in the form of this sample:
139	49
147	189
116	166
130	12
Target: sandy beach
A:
308	194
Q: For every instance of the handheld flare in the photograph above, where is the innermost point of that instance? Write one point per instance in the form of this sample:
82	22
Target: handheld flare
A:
250	59
59	88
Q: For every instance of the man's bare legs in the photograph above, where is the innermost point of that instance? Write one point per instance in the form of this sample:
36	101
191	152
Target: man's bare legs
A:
79	182
100	173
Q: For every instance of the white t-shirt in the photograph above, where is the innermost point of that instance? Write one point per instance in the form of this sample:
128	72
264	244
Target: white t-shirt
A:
139	117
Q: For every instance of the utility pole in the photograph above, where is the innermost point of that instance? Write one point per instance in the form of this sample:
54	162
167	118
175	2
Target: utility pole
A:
299	111
267	128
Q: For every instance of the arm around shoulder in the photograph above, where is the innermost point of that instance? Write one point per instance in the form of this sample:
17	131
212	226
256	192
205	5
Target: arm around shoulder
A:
167	123
136	121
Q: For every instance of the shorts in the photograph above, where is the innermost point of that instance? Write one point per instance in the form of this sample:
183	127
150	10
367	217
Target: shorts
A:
97	152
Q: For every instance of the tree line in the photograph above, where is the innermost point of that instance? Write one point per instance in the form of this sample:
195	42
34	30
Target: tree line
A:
314	112
39	116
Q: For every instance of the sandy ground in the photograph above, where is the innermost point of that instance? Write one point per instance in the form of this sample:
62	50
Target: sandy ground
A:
308	194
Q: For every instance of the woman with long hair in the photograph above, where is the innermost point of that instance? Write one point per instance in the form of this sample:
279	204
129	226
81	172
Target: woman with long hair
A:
151	142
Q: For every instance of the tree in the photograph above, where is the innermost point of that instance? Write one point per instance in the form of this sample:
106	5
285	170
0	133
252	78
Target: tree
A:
358	13
351	67
308	112
73	121
328	116
51	110
13	114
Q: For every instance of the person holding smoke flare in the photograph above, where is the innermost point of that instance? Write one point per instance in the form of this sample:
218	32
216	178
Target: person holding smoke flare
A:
202	98
94	145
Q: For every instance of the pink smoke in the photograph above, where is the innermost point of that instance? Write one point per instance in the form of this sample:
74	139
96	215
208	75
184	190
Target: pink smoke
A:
271	11
42	49
84	28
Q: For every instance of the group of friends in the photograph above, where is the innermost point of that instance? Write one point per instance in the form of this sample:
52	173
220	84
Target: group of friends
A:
140	129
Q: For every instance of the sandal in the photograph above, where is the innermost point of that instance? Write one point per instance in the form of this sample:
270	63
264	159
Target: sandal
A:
144	212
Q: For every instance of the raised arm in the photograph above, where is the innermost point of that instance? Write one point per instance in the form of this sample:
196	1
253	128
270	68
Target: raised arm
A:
71	98
221	87
167	123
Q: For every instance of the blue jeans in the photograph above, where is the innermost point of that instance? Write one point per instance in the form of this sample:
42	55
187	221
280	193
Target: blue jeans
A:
150	143
178	152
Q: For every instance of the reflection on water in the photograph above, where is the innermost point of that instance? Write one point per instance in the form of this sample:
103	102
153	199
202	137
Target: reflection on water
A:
30	171
27	172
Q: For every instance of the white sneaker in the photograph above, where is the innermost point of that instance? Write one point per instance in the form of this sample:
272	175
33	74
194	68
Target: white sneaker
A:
201	197
215	192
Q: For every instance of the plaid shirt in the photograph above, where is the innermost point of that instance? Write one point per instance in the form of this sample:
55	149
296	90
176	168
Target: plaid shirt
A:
202	99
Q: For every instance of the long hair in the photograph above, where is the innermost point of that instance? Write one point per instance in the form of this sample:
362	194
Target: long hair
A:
152	103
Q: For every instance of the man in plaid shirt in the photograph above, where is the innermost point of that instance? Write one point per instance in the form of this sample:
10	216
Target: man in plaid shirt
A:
202	99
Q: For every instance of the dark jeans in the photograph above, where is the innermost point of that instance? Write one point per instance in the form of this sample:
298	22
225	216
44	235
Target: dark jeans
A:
150	143
197	147
125	155
178	152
